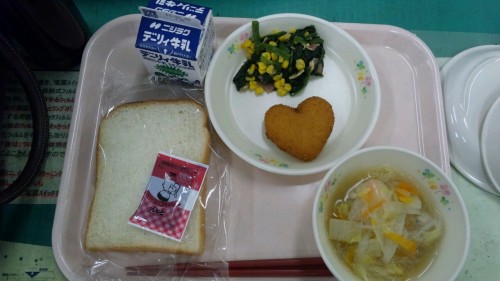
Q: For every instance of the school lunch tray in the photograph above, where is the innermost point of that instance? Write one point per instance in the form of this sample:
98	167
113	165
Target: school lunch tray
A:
269	215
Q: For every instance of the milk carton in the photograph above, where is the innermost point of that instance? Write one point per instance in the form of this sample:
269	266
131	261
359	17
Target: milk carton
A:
176	40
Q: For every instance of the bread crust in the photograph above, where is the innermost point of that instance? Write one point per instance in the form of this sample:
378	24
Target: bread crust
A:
164	245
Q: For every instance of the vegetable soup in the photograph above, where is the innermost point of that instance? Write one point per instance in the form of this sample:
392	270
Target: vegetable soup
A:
383	225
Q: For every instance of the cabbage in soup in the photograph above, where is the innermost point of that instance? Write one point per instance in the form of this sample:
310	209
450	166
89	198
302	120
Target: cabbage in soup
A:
383	225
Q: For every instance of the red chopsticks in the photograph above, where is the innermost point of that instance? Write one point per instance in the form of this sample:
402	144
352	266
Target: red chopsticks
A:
294	267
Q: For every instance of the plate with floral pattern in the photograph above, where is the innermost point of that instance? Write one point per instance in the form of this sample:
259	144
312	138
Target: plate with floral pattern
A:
349	83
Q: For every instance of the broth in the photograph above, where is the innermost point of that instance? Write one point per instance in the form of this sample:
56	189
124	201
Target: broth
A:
383	225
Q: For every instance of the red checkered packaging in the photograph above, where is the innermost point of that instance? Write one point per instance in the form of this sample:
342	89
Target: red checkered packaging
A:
170	196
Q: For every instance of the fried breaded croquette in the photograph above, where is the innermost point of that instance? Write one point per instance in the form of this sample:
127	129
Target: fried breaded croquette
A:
303	131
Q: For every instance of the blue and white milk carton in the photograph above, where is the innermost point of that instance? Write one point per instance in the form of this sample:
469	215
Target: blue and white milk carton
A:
176	40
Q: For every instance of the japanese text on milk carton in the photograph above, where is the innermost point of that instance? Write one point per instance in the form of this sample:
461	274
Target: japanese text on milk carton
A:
176	40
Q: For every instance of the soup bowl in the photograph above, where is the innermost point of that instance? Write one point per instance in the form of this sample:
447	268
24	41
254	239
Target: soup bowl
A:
433	184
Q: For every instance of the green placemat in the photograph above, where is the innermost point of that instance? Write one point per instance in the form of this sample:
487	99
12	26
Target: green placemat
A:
27	262
29	218
460	24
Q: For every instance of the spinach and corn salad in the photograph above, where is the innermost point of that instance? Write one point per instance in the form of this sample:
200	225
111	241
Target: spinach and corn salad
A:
281	61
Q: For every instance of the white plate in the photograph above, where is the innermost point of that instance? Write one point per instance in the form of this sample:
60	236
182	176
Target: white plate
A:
350	84
470	86
490	144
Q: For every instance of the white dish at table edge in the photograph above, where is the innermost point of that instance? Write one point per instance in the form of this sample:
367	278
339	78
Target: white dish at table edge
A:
490	144
350	84
469	89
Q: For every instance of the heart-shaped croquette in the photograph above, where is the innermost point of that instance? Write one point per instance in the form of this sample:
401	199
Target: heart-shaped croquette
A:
303	131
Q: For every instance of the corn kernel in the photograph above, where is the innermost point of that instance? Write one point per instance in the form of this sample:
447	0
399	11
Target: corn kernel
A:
266	55
293	30
251	69
247	43
300	64
248	47
287	87
259	90
284	37
262	67
249	78
277	84
253	85
281	92
270	70
274	57
277	77
272	43
282	88
284	64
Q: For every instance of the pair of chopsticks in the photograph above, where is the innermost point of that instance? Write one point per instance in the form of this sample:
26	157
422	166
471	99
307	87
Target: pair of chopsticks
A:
294	267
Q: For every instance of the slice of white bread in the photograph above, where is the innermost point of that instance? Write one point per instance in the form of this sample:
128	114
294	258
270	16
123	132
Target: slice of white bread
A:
129	140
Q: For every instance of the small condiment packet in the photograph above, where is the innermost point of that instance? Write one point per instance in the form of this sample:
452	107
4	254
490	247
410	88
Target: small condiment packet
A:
170	196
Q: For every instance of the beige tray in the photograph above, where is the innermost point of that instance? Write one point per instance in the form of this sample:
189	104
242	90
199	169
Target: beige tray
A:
269	215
